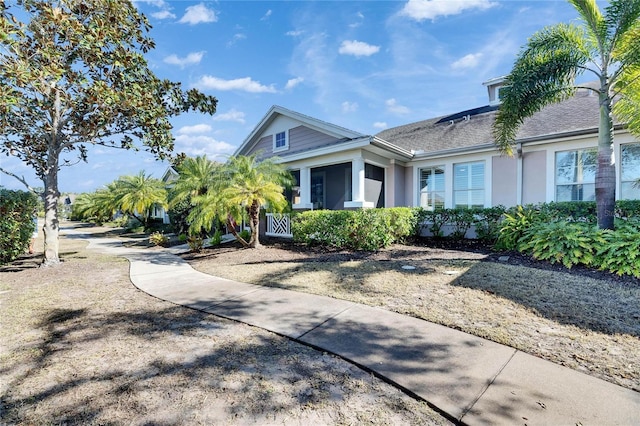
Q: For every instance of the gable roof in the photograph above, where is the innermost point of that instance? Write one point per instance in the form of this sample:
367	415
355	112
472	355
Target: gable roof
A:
473	128
313	123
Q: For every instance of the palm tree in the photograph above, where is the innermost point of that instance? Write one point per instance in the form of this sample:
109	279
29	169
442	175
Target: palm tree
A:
195	177
241	187
135	195
545	72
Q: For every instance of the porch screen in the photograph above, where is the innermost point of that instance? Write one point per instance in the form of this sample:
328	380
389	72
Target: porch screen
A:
432	188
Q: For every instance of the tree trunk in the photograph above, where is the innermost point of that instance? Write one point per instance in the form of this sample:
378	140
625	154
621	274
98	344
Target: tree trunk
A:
605	184
51	223
232	228
254	224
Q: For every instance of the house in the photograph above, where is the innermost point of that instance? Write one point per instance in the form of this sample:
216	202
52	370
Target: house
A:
449	161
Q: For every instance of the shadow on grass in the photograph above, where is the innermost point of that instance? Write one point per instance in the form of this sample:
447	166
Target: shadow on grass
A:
590	304
63	383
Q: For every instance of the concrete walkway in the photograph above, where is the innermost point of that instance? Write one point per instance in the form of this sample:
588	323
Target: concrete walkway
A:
472	380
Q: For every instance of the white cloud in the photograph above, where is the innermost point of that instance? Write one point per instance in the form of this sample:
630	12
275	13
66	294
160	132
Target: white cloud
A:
194	130
198	14
393	107
468	61
293	33
349	106
421	10
293	83
266	15
231	115
203	145
357	48
380	125
245	84
163	14
191	59
236	37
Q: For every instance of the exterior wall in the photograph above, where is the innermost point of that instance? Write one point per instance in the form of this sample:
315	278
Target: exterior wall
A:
504	181
299	138
534	175
395	186
302	138
410	186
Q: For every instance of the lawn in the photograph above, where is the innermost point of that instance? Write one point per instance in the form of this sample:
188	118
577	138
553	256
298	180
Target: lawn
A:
581	319
79	344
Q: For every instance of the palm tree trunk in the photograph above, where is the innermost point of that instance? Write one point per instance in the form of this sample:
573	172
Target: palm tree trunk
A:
232	228
254	224
605	185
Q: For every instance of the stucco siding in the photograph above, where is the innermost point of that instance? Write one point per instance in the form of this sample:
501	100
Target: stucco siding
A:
504	181
398	195
534	173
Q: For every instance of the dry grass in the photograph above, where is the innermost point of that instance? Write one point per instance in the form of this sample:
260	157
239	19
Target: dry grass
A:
591	325
80	345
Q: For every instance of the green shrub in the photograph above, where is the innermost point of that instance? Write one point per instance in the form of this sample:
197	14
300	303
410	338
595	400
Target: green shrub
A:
159	239
216	239
196	243
620	252
627	209
365	229
245	234
570	243
514	226
16	223
434	220
488	222
461	219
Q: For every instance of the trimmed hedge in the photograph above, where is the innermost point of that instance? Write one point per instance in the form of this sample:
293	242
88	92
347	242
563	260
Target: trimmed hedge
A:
366	229
16	223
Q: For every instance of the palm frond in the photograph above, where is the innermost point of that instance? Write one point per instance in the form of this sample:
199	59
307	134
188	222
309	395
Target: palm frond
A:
543	73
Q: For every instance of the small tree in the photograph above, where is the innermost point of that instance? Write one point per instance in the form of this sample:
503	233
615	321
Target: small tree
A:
242	186
75	75
136	195
545	72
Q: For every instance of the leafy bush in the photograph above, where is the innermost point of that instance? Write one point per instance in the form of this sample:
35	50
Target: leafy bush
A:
462	219
159	239
245	234
366	229
620	252
216	239
627	209
196	243
570	243
514	226
16	223
488	222
436	220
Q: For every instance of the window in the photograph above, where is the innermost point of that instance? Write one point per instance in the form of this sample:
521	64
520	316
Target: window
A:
431	188
630	171
576	175
280	141
468	185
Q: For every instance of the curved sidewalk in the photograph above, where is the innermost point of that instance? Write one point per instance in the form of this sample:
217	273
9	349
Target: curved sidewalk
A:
472	380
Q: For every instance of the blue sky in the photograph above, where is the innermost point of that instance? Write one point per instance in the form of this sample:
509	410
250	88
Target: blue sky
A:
363	65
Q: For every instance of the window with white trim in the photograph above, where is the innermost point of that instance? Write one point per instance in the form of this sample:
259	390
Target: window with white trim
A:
280	141
431	187
629	171
576	175
468	185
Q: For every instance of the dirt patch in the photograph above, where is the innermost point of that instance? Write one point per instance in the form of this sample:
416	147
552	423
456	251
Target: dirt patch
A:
81	345
583	319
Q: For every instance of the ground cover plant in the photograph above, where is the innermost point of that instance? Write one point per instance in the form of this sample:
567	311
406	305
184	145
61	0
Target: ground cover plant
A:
582	318
81	345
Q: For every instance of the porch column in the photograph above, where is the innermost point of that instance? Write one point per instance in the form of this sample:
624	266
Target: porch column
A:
357	179
305	189
357	185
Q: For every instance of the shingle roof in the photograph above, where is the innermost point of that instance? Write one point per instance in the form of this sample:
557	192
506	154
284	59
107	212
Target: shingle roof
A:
474	127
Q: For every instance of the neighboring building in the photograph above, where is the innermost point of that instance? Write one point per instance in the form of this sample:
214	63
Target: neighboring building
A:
448	161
